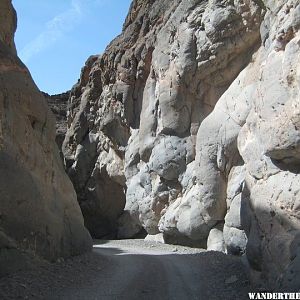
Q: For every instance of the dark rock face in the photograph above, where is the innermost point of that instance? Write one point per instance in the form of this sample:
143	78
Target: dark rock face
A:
39	213
59	106
191	117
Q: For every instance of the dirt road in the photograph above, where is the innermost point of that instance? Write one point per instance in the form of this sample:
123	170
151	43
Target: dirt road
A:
134	269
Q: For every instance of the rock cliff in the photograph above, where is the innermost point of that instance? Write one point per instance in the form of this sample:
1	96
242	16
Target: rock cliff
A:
38	209
136	109
188	125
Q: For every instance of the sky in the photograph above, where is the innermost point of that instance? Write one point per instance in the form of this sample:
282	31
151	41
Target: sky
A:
54	38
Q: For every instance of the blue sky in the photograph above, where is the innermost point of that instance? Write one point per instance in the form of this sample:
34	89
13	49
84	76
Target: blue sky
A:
55	37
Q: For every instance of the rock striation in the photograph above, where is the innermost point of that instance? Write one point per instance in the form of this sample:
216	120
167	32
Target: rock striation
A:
38	209
188	125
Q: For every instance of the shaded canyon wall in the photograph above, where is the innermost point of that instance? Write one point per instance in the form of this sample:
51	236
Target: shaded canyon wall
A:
39	213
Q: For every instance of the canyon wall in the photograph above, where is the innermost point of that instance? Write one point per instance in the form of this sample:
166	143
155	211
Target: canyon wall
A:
188	125
146	96
39	214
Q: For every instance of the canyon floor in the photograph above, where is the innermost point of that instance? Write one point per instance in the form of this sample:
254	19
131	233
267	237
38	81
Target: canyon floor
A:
133	269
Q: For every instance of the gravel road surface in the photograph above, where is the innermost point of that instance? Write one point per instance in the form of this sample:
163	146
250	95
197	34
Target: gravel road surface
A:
133	269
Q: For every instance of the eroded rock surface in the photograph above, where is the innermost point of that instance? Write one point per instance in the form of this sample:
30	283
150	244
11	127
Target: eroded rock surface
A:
154	84
193	113
38	209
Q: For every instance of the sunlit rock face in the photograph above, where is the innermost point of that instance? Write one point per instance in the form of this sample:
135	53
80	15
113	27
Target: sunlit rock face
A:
137	108
188	125
39	213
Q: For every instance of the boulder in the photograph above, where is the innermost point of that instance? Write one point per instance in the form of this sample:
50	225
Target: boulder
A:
215	240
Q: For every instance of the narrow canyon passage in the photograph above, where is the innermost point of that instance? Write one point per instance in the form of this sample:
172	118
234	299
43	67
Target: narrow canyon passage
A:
134	269
184	130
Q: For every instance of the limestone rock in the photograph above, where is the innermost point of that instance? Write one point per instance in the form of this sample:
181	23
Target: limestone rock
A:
253	121
238	212
158	238
215	240
39	213
144	99
193	112
235	240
